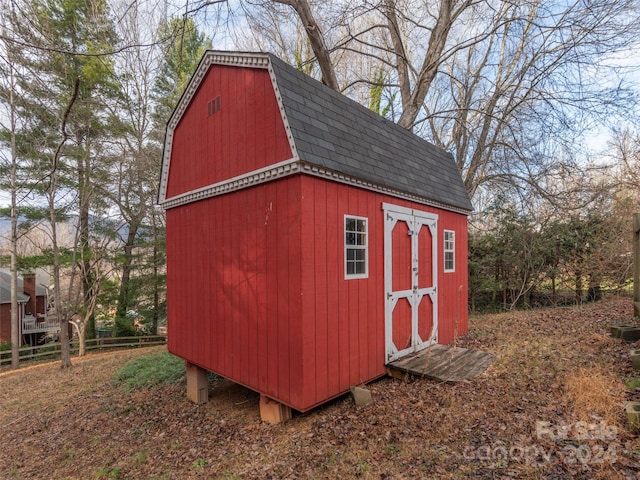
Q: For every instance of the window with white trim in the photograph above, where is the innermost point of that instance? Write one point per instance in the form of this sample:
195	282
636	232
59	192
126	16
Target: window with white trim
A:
355	247
449	251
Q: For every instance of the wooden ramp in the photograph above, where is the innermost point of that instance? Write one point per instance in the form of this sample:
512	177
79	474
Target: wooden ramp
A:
440	362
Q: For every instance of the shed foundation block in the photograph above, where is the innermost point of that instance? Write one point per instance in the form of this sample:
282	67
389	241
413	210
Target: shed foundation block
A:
633	416
197	384
634	355
361	396
272	411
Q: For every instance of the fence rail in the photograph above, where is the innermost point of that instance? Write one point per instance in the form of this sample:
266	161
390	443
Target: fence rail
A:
51	351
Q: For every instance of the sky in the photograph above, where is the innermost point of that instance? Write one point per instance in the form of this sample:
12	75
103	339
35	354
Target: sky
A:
596	141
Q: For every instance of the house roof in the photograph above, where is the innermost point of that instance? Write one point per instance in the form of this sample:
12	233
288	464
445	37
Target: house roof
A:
5	286
336	137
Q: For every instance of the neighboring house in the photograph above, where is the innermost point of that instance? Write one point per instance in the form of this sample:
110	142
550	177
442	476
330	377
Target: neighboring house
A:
33	321
310	242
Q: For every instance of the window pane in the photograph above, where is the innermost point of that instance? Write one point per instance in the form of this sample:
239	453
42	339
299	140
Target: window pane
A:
350	238
350	224
355	246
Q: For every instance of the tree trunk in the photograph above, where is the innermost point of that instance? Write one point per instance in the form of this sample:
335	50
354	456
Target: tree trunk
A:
636	264
125	283
156	292
15	320
432	60
84	195
578	286
62	314
316	40
81	329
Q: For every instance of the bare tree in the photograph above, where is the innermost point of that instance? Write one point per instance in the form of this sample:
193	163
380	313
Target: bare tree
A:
8	70
473	76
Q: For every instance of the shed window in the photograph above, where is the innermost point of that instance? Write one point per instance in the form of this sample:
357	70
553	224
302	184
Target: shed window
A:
355	247
449	251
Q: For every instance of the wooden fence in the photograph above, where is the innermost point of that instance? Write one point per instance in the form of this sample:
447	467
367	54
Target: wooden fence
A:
51	351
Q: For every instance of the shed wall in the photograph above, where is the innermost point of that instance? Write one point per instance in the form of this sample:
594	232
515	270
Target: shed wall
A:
256	288
247	133
233	287
343	320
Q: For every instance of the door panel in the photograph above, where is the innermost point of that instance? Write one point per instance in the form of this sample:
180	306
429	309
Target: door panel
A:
425	258
425	319
410	246
402	260
402	324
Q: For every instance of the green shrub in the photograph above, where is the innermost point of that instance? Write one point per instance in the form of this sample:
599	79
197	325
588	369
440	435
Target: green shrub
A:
4	346
146	372
123	327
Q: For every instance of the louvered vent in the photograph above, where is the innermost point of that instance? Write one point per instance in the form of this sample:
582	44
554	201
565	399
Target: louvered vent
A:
213	106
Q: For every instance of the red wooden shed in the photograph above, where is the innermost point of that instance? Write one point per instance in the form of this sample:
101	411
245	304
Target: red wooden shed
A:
309	241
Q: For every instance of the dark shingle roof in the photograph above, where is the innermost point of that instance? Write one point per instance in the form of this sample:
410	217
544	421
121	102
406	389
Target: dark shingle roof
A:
5	287
335	136
337	133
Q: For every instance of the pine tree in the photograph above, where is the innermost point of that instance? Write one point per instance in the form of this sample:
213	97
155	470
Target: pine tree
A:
67	50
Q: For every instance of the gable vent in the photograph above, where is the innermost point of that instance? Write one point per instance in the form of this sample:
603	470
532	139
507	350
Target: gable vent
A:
213	106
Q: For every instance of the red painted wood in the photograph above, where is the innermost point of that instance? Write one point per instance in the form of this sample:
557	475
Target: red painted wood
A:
282	318
401	335
246	134
425	318
425	258
250	338
401	261
453	286
256	286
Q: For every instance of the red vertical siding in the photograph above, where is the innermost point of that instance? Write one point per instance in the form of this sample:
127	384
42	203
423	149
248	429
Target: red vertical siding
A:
343	320
247	132
256	287
233	286
453	286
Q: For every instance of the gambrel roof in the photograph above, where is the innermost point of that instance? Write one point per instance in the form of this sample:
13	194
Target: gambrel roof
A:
335	137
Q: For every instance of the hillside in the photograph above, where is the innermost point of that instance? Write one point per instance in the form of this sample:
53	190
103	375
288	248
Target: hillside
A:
554	369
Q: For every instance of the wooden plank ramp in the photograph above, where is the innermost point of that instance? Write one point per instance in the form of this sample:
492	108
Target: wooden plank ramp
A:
444	363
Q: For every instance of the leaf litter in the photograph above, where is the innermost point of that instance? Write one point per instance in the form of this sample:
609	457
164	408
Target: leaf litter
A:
550	406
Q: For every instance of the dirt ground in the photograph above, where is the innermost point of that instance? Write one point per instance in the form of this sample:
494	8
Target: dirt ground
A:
551	406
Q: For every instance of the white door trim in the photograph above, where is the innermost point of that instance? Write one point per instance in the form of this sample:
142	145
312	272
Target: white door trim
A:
415	220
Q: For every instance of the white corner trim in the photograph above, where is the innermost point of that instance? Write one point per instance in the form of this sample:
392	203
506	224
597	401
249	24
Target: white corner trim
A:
255	177
211	57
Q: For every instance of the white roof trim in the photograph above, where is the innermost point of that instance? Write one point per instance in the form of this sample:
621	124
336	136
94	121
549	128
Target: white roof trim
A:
291	167
250	60
316	171
262	175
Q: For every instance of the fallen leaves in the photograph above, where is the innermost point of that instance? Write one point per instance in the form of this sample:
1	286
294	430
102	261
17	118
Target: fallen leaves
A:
557	366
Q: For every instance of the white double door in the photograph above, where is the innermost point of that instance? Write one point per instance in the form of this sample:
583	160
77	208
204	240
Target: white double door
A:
410	277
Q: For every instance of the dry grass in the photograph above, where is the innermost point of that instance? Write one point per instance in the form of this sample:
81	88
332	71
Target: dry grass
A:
594	394
556	366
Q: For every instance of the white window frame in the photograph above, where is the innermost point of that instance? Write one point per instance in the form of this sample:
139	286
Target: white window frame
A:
452	251
347	247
